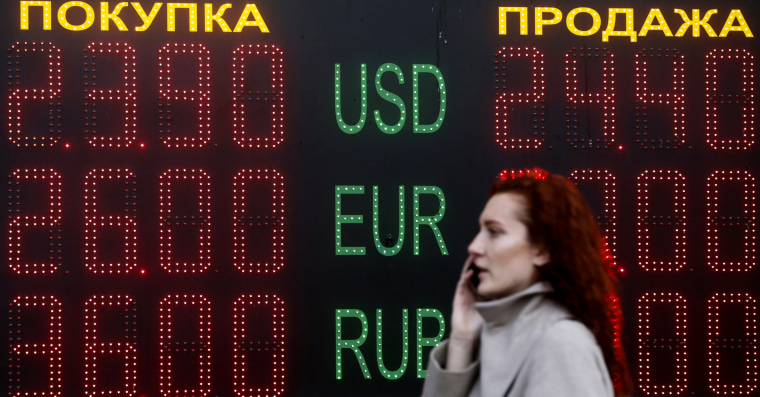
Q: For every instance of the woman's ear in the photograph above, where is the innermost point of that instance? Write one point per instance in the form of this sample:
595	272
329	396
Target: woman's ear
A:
541	258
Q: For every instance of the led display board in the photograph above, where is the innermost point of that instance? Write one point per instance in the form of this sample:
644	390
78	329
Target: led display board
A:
275	198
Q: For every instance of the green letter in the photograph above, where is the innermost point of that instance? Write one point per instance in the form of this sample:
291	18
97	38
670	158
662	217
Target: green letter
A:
388	374
351	129
416	70
352	344
422	342
340	218
390	97
429	220
381	248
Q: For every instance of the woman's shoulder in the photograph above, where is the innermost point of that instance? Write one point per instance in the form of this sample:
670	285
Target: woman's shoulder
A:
568	338
567	361
567	329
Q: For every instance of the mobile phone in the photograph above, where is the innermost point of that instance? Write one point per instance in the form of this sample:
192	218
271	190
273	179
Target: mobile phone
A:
474	279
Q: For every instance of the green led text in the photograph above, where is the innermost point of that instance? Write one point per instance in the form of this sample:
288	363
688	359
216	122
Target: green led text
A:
392	98
354	344
418	220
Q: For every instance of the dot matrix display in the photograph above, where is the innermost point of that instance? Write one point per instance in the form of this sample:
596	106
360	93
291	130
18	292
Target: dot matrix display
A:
171	221
718	343
654	350
198	383
198	95
193	195
96	347
244	221
247	317
49	345
744	95
747	222
673	219
506	98
648	95
49	219
125	95
275	95
576	96
96	221
607	219
18	96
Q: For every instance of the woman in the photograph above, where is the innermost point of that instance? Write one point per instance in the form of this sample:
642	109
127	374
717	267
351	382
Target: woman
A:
531	313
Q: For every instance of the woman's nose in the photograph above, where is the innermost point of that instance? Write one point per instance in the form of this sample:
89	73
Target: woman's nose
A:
475	247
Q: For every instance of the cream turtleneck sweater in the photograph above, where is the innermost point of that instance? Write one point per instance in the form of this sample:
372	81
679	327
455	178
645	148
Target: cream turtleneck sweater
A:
530	346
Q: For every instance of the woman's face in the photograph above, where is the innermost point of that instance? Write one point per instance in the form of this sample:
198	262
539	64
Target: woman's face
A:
506	260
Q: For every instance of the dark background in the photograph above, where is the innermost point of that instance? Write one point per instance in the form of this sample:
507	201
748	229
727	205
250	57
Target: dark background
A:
461	158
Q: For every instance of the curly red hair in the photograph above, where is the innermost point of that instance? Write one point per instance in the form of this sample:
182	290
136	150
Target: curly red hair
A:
560	222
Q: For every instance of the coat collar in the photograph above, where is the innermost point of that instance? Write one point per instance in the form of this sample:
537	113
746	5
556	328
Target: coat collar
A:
505	310
512	327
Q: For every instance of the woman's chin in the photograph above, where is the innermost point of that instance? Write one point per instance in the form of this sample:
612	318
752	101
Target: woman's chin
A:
485	293
488	294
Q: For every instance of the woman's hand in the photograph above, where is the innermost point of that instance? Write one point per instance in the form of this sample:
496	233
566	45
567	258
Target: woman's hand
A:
466	322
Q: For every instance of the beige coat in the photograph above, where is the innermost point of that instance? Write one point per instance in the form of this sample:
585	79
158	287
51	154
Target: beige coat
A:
529	347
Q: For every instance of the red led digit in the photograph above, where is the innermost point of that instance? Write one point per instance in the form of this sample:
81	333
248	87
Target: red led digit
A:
267	309
48	93
717	99
577	93
608	220
175	226
21	257
652	346
650	94
245	223
96	222
123	349
747	222
674	220
185	362
123	95
244	125
507	135
199	95
718	342
26	380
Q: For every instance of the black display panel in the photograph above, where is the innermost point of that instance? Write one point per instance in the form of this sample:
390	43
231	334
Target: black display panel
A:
240	199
